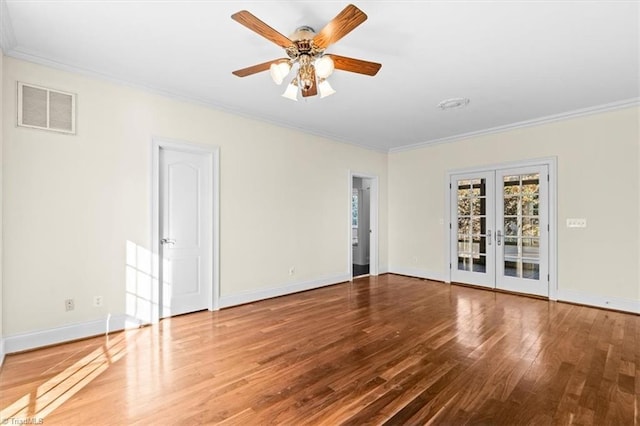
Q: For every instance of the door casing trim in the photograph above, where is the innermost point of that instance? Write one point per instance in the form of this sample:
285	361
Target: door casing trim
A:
212	153
373	223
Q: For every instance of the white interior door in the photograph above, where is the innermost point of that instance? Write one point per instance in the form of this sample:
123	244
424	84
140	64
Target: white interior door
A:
500	229
472	218
522	230
185	210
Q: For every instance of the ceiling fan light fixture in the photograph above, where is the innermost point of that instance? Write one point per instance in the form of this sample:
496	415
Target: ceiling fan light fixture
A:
291	92
279	71
325	89
324	66
305	51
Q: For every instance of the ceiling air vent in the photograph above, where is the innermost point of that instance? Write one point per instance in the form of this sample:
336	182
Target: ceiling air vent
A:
453	103
47	109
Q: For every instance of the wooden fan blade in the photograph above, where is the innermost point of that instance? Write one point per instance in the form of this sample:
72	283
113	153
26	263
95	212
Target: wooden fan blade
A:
340	26
355	65
257	68
247	19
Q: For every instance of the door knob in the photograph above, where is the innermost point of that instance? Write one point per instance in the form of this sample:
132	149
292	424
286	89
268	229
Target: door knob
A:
167	241
498	237
489	236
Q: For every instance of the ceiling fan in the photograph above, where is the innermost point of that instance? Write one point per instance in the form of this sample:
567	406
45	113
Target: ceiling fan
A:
306	49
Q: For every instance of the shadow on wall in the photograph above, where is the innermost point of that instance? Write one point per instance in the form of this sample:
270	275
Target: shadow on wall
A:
142	295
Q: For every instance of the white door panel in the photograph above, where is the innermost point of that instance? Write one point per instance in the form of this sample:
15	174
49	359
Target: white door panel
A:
472	213
185	206
522	223
183	221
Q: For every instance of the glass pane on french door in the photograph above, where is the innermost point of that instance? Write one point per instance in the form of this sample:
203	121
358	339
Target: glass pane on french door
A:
472	216
522	230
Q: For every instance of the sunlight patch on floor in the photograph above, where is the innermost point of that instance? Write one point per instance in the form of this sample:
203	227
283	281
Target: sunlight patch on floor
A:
55	391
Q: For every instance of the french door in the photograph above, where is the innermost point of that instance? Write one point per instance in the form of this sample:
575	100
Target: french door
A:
500	229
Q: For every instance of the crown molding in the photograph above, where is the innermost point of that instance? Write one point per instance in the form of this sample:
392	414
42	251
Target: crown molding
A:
8	45
613	106
7	36
29	56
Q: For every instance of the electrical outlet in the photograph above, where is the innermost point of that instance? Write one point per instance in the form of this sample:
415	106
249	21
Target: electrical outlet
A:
69	305
97	301
292	270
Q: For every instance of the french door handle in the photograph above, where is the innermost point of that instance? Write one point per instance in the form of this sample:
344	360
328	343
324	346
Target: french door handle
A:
489	236
167	241
498	237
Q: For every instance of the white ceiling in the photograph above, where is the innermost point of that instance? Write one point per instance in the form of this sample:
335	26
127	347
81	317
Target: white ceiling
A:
515	61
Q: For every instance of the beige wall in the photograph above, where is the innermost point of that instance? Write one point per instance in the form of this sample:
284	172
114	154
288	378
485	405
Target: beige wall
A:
73	202
598	179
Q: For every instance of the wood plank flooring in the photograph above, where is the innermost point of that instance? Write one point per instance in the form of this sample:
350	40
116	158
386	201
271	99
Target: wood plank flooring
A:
382	350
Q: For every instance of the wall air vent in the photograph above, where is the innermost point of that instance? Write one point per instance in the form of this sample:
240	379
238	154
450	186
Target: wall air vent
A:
47	109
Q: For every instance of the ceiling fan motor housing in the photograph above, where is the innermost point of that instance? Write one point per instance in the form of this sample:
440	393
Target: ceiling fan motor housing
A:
303	44
303	33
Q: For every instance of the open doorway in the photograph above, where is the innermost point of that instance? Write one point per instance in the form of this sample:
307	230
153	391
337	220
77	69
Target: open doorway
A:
361	225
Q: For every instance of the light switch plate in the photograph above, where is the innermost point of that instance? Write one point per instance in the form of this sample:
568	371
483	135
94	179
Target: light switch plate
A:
576	223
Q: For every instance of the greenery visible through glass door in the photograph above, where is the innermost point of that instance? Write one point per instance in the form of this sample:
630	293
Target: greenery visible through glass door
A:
354	217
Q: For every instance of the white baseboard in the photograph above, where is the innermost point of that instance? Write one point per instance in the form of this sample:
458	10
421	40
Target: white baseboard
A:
27	341
1	351
571	296
619	304
384	269
52	336
242	298
417	272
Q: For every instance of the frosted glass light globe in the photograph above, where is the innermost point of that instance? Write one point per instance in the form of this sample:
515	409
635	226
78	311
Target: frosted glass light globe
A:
324	66
279	71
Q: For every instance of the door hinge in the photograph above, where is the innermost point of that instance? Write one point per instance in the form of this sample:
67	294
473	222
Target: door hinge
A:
548	278
450	225
449	265
450	186
547	178
548	227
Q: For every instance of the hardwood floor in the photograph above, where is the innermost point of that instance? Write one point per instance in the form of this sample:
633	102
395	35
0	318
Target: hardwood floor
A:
382	350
